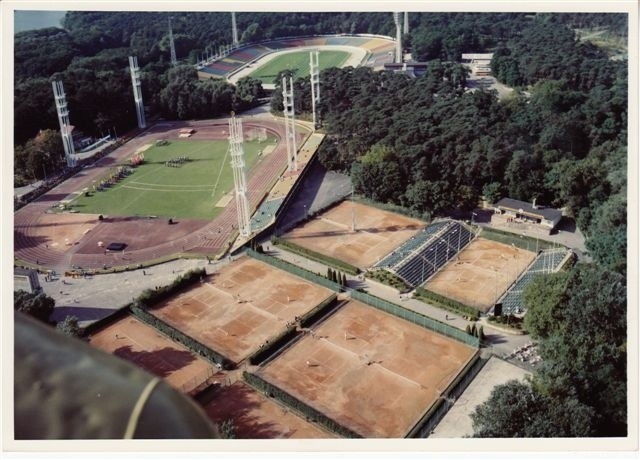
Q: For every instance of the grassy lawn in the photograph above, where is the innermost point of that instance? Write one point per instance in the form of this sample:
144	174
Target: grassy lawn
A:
186	191
299	63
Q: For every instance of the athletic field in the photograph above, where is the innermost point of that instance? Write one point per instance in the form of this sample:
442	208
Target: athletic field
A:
298	62
371	372
194	188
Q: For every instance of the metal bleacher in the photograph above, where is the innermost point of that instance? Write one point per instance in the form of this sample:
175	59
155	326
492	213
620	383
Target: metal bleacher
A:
548	261
265	214
425	253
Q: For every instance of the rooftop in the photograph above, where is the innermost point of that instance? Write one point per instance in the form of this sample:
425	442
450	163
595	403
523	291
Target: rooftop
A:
524	207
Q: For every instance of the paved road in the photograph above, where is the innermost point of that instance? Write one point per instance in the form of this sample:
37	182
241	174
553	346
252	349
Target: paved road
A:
95	297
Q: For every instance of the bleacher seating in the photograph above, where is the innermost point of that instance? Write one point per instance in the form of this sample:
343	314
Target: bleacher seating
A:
425	253
265	214
547	262
237	58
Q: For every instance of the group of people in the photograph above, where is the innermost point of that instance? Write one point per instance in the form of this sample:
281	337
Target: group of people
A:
176	162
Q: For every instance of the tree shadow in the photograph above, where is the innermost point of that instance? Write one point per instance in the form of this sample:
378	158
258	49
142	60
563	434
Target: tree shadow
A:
161	362
238	402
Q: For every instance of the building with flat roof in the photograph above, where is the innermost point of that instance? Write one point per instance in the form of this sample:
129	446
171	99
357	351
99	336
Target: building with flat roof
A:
530	213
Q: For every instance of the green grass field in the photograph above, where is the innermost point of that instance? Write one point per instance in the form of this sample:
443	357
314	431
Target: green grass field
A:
186	191
299	63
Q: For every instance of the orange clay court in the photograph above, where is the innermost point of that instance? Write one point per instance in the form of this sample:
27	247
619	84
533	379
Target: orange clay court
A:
257	417
481	273
239	308
371	372
135	341
377	233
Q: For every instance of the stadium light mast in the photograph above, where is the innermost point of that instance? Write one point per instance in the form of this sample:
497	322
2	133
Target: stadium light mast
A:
137	91
315	85
406	22
234	27
396	18
290	123
239	175
174	59
65	126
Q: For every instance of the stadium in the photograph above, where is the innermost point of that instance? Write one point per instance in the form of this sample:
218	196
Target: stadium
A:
263	337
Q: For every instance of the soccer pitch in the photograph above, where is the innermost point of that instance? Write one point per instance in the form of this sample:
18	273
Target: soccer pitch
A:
298	62
190	190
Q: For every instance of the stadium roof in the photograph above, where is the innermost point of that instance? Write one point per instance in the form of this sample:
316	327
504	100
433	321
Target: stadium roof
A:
524	207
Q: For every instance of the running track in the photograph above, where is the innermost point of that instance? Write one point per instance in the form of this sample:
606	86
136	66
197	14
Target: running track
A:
202	237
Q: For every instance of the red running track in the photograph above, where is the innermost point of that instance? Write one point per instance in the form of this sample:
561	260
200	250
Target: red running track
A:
147	239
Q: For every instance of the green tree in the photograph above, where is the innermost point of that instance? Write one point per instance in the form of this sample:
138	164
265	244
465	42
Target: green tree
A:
40	306
69	326
227	429
517	410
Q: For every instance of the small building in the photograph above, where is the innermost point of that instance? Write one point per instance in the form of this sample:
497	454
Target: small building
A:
27	280
477	58
529	213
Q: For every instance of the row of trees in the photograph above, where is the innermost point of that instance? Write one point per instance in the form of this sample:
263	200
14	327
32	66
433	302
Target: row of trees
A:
579	390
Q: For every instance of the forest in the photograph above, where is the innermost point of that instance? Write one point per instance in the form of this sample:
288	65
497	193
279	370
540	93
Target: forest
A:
426	144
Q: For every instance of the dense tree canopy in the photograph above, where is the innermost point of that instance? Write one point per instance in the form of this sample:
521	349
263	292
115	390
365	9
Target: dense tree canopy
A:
40	306
579	321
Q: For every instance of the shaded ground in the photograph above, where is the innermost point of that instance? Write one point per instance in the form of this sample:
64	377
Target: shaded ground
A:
141	344
371	372
256	417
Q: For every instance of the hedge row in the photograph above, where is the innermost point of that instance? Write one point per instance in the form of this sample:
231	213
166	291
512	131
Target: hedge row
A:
294	403
436	412
106	321
389	279
275	344
295	270
289	334
446	303
523	242
340	265
150	297
180	337
312	316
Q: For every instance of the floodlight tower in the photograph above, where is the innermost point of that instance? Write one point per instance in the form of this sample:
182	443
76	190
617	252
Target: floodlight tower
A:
290	123
406	22
234	27
239	175
174	59
315	85
137	91
396	18
63	118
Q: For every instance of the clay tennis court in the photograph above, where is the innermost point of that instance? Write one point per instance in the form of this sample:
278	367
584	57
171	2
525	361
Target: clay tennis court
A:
481	273
257	417
371	372
242	306
377	233
139	343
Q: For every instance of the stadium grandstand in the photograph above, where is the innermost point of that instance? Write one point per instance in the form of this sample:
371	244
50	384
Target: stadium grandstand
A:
377	52
548	261
265	214
426	252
